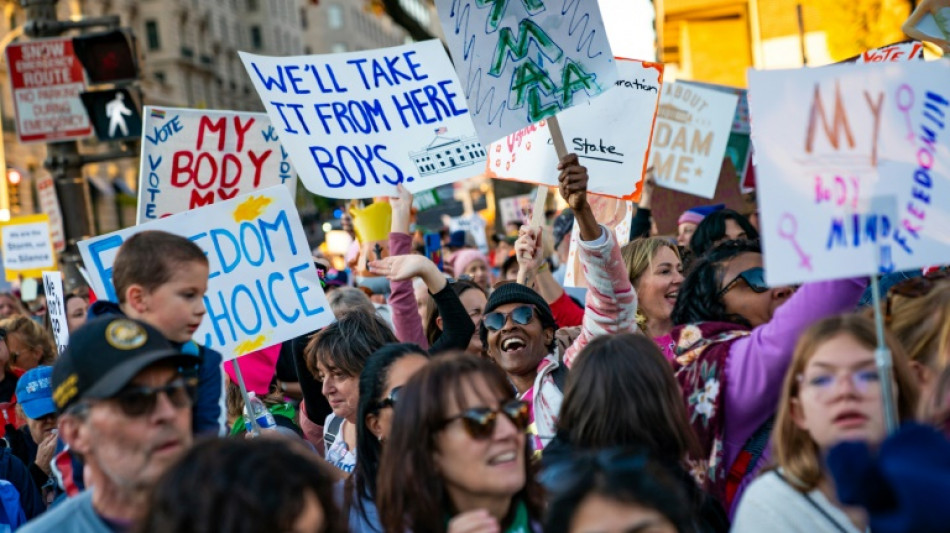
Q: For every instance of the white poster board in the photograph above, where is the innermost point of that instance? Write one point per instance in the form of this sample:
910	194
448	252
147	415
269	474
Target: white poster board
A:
262	289
357	124
611	135
196	157
614	213
27	247
853	166
690	137
524	61
49	204
56	306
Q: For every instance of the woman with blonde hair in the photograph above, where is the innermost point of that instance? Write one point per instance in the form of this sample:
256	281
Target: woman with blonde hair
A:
656	272
30	344
831	394
918	314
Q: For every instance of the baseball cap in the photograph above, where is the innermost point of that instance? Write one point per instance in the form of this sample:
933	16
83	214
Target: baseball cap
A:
34	392
105	354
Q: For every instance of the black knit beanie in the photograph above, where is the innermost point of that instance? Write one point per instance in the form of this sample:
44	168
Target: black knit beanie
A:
517	293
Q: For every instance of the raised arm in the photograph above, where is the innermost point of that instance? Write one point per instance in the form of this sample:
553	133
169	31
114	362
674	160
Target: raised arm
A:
640	225
402	299
910	26
534	272
611	305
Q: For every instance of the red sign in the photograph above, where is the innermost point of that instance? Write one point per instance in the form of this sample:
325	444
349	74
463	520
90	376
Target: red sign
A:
47	80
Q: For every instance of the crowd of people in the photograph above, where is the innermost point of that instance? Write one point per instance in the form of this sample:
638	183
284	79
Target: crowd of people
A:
676	393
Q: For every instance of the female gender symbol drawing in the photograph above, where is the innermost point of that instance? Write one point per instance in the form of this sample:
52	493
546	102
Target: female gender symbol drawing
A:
787	229
906	107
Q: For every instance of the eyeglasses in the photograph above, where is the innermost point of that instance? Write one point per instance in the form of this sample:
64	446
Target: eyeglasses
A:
914	288
141	401
479	422
824	383
520	315
753	277
390	400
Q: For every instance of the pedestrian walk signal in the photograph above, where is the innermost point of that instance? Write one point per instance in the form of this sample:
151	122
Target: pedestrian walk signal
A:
108	57
115	114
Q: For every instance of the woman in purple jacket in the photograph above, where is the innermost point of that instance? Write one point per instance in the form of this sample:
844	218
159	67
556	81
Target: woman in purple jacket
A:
734	337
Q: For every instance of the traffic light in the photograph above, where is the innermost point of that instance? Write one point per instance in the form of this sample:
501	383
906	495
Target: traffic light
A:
115	114
108	57
13	190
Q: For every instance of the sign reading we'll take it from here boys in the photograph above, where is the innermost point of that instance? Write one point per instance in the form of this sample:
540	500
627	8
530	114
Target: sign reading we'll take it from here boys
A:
358	124
196	157
522	61
262	286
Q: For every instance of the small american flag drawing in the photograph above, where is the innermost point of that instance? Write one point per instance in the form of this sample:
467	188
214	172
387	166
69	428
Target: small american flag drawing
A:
440	131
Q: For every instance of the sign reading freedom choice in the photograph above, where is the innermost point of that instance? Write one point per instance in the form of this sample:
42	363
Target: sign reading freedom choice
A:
47	79
262	287
358	124
195	157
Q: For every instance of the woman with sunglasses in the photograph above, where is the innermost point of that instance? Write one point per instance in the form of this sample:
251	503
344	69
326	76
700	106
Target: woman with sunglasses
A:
733	341
381	382
457	457
831	394
917	311
656	272
459	316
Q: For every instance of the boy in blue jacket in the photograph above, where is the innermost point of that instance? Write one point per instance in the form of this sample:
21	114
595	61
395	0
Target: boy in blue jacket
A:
161	278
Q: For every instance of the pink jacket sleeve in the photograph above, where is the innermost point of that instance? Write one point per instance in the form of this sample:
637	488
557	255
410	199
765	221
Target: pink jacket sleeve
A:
402	300
611	305
757	363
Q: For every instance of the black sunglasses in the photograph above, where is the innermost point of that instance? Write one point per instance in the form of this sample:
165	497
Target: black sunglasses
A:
141	401
390	400
753	277
521	315
479	422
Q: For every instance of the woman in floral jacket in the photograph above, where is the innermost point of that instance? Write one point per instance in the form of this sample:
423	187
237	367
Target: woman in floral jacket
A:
734	339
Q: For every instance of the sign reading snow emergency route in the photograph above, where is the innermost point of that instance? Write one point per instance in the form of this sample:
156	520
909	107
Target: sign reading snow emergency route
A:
47	78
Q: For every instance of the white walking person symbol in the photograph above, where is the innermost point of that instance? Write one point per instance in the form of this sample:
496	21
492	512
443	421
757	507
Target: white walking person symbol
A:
115	110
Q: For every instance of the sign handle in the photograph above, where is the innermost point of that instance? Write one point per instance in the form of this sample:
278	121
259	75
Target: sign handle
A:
248	414
537	214
883	358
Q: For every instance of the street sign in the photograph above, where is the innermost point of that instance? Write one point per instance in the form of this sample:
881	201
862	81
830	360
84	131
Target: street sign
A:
114	113
49	204
47	79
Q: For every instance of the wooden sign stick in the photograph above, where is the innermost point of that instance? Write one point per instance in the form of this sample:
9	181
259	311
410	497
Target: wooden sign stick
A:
537	215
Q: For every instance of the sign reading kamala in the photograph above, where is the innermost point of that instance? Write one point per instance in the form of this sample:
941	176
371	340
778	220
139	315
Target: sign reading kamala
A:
852	166
357	124
521	61
262	289
692	129
611	135
195	157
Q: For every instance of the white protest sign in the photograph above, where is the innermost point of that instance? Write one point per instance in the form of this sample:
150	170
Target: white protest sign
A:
852	161
614	213
689	140
27	247
196	157
262	289
611	135
357	124
49	204
56	306
521	61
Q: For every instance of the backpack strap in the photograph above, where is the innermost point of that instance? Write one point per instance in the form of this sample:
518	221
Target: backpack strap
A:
332	430
559	375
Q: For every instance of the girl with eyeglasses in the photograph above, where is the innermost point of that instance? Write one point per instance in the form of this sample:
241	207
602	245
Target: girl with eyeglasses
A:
381	383
831	394
457	457
733	341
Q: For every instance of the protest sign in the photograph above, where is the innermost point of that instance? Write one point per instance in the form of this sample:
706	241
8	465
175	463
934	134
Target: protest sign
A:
27	246
357	124
614	213
56	306
739	145
851	164
692	128
196	157
49	204
511	84
611	135
906	51
512	210
262	288
668	205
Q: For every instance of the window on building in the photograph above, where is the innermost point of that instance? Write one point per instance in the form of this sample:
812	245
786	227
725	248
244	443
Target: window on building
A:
338	48
257	40
303	18
334	16
151	35
224	29
252	5
159	76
